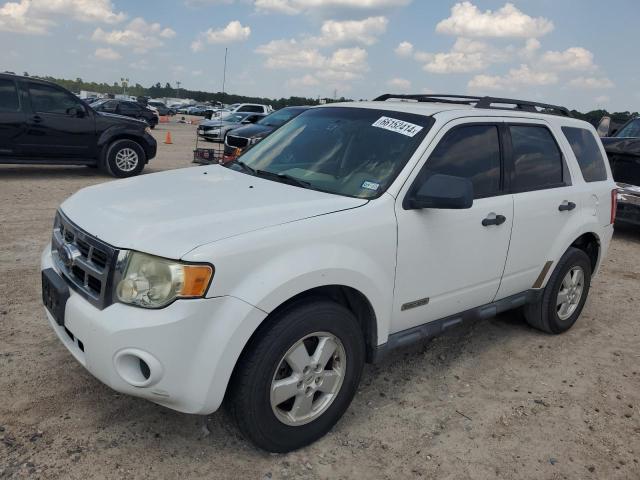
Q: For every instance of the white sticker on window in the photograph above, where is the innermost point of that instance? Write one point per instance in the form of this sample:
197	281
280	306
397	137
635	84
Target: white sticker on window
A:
398	126
370	185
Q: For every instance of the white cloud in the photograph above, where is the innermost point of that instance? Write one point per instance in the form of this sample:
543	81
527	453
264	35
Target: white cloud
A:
468	21
574	58
602	99
305	81
138	34
531	47
591	82
517	77
34	16
232	33
401	84
356	31
290	54
107	54
465	56
294	7
404	49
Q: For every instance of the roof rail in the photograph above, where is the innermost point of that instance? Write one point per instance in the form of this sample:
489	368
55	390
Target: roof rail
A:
482	102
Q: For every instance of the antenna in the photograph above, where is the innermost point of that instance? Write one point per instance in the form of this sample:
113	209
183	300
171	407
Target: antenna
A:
224	74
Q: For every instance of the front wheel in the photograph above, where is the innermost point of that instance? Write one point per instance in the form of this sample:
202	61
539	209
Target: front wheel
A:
564	296
125	158
297	376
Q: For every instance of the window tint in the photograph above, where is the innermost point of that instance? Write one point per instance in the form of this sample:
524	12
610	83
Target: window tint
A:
8	95
630	130
536	158
472	152
47	99
128	108
587	152
251	108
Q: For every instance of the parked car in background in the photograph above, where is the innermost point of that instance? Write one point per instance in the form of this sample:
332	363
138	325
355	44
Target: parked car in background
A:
623	150
43	123
162	108
183	109
242	137
250	107
351	231
126	108
216	129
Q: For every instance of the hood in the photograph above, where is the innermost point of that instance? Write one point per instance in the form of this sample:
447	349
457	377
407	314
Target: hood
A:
170	213
621	145
253	130
115	118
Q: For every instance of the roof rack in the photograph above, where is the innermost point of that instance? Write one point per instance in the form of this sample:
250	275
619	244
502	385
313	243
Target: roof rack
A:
482	102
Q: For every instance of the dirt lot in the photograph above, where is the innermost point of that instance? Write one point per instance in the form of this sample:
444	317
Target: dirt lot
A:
494	400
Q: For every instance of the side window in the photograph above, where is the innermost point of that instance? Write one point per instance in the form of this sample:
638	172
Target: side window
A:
251	108
109	106
587	151
47	99
473	152
8	96
537	161
127	108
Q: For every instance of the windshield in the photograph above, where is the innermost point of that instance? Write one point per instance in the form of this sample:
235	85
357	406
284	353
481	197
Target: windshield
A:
630	130
233	118
98	103
279	118
356	152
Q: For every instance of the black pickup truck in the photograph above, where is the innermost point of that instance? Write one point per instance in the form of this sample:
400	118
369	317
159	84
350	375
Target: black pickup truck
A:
623	151
42	123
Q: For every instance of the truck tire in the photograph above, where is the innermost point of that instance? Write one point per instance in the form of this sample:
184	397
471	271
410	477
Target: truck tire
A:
124	158
297	376
564	296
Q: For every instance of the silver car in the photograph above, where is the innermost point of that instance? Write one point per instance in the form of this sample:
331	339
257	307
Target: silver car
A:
216	129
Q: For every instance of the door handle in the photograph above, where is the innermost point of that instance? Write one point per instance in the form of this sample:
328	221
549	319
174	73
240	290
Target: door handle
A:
36	118
566	206
493	219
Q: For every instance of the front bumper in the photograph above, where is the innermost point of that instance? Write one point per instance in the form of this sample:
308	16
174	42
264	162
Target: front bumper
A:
207	134
628	211
150	147
190	347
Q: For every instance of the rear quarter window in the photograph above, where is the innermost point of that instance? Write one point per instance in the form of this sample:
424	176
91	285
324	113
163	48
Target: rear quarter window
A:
587	152
537	161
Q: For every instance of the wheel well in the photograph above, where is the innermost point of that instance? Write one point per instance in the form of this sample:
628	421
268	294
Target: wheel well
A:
348	297
590	245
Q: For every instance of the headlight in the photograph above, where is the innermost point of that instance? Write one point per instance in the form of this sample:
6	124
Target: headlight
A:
215	131
154	282
147	130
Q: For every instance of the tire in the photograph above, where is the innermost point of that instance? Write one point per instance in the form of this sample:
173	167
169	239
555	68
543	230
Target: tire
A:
249	399
130	149
547	314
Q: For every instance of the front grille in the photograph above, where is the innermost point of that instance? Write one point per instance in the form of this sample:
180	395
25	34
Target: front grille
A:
239	142
85	262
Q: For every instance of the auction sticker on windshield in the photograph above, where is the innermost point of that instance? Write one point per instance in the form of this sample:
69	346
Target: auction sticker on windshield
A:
398	126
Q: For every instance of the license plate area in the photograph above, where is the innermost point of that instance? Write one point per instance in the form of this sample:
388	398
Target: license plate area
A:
55	293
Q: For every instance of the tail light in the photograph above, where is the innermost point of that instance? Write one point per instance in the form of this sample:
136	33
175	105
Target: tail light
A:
614	204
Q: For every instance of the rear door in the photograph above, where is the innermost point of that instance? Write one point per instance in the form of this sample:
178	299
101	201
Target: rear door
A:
545	205
11	118
58	124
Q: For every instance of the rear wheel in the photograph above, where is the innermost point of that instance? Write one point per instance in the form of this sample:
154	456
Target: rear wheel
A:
125	158
298	376
564	296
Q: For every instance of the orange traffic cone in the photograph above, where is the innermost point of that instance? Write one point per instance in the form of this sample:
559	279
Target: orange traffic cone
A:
167	139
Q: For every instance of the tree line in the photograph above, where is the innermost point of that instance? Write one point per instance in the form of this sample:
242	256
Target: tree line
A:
159	91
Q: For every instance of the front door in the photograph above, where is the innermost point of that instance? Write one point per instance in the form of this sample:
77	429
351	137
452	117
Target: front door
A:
59	125
11	119
449	261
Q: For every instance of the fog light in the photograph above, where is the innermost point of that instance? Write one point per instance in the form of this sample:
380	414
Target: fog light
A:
137	367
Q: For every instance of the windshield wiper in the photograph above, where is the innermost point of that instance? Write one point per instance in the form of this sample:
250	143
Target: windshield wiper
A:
244	167
284	177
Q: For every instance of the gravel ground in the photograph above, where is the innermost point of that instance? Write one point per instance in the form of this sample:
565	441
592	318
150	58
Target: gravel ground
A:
493	400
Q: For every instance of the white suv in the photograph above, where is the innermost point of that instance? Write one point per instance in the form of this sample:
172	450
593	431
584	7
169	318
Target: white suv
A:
352	230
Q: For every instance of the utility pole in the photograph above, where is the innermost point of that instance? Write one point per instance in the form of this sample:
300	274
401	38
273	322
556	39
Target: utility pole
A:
124	81
178	83
224	73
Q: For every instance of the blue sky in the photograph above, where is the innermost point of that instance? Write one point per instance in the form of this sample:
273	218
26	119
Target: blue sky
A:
579	53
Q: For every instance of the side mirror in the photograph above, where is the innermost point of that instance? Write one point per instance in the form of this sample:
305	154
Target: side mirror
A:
75	112
441	191
245	121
